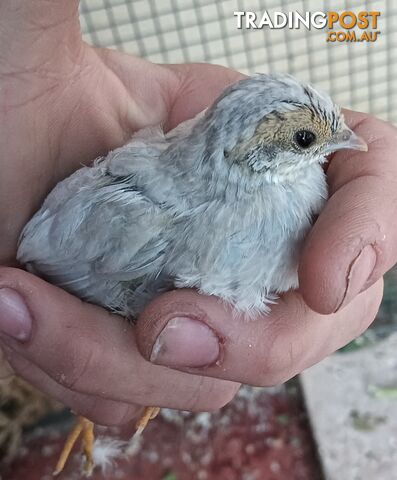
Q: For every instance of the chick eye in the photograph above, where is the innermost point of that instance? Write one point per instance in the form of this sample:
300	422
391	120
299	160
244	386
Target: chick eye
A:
304	138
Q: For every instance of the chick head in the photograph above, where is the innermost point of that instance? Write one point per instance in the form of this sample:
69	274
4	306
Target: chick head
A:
275	126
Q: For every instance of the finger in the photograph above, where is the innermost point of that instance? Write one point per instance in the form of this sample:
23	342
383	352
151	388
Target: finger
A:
198	86
37	34
165	94
354	241
265	351
87	350
99	410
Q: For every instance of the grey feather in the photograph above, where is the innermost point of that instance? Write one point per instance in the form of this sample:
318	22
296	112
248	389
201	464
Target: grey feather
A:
187	208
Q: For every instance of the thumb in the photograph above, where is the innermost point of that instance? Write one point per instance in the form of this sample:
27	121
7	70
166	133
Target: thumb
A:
202	335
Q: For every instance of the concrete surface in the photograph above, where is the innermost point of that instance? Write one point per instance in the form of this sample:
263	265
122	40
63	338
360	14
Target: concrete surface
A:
352	402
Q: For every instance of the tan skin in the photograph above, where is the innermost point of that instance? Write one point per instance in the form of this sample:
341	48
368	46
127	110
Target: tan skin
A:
62	103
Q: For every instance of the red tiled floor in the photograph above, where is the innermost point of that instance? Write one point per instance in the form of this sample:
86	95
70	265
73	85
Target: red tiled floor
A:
257	437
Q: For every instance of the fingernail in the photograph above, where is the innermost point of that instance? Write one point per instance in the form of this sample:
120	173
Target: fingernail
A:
185	342
15	319
359	274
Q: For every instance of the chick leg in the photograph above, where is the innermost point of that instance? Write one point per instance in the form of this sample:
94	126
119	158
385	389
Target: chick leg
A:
85	428
88	445
148	414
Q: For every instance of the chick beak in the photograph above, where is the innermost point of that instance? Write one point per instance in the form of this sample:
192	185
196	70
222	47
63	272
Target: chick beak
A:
346	138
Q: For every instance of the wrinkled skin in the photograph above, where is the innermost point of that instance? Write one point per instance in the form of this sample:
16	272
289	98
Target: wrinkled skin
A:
62	103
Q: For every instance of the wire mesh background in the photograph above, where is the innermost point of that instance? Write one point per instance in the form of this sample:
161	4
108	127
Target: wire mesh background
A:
357	75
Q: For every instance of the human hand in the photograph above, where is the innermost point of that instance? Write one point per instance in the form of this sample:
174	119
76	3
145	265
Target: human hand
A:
76	103
352	244
63	103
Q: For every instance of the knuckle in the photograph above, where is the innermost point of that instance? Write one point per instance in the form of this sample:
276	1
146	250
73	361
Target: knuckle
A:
111	414
372	299
80	370
225	395
211	394
125	414
194	400
272	378
277	360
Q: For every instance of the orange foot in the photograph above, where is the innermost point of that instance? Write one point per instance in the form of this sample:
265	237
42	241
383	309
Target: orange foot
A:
148	414
85	428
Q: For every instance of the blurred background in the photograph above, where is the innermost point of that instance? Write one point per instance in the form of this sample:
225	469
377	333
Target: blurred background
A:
339	419
358	75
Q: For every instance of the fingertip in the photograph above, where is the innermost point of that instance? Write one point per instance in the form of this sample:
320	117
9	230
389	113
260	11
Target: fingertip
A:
351	245
37	292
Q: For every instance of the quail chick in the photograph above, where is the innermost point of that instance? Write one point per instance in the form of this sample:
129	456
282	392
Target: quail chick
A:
222	204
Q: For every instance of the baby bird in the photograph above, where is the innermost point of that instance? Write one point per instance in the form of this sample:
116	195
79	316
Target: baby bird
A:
222	204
